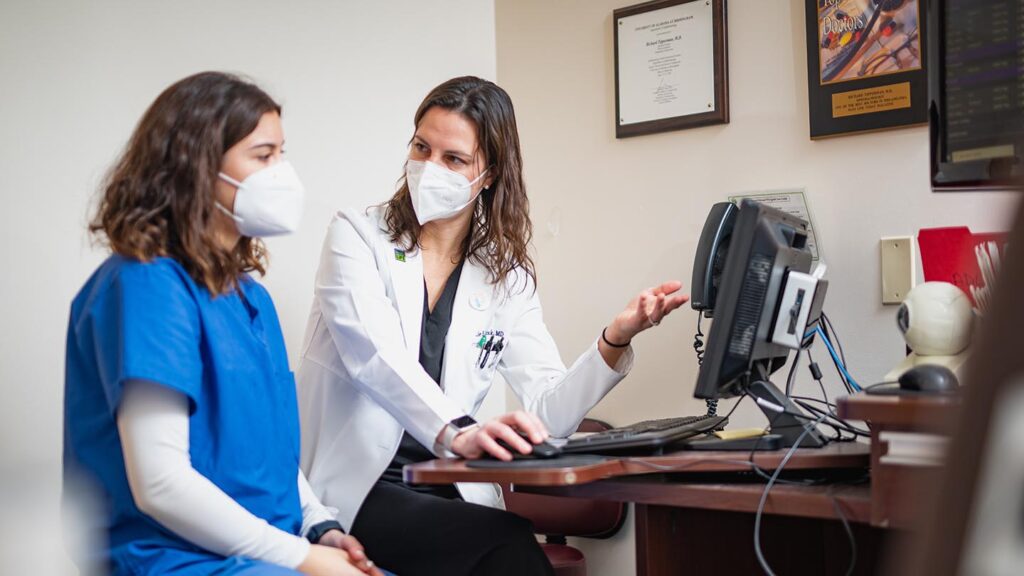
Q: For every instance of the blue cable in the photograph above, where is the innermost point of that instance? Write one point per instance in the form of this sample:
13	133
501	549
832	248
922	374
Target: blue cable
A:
838	361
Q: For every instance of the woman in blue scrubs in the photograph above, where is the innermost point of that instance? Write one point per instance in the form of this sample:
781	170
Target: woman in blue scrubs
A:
180	408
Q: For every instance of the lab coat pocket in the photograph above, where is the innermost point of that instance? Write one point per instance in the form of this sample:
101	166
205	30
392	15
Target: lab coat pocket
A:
488	347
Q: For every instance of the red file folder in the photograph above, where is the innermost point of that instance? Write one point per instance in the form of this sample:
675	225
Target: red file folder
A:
948	255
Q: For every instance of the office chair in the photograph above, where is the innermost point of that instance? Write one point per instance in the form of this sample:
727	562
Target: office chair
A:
557	517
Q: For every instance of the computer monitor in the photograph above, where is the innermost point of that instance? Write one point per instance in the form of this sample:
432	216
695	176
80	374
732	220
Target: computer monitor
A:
767	246
976	94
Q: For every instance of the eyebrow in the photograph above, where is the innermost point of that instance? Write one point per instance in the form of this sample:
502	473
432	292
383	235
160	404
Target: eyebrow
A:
460	153
262	144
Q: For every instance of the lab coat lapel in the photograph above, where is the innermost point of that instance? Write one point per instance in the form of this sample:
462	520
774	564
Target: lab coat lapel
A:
407	279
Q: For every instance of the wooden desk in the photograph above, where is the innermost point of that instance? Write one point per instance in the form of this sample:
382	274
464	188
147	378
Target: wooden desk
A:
839	456
686	508
815	501
899	489
908	413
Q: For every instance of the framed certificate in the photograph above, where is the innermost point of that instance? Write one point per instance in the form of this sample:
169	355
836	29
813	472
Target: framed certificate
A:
671	66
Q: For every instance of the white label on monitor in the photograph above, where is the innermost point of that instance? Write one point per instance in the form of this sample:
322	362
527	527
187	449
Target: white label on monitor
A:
791	202
794	307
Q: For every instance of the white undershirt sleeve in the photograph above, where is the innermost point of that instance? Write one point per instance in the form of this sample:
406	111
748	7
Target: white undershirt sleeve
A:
153	424
313	512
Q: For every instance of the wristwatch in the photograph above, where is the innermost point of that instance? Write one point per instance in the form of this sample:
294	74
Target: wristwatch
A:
317	531
451	430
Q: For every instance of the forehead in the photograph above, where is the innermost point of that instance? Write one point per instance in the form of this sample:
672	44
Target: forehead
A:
448	130
267	130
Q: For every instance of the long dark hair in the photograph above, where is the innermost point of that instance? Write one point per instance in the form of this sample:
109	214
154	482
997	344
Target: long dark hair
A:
158	198
501	230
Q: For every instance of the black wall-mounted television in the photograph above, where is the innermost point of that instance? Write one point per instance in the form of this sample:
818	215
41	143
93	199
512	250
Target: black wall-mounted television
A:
976	93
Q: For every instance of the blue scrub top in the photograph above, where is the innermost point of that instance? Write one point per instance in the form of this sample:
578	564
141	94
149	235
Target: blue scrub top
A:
151	321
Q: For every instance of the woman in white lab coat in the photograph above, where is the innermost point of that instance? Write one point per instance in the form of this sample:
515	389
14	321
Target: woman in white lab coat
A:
419	302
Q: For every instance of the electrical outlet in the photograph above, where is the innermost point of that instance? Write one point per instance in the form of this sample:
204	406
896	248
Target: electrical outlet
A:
898	268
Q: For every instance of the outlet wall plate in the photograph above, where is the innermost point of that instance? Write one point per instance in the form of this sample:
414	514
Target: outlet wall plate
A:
899	271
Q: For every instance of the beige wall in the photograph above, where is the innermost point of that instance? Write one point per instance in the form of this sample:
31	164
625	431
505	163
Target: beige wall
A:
628	212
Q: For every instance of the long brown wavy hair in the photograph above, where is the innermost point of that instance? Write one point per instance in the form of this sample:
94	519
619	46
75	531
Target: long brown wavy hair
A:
158	198
500	233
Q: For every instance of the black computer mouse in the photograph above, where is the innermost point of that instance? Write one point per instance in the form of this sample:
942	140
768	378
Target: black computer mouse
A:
545	450
542	450
929	378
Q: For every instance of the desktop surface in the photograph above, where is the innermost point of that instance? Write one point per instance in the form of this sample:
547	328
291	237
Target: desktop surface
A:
848	455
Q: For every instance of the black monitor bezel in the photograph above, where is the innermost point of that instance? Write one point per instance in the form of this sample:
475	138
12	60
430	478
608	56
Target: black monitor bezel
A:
949	176
765	357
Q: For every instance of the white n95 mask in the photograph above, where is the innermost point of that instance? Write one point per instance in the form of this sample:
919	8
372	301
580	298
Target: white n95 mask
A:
269	202
437	192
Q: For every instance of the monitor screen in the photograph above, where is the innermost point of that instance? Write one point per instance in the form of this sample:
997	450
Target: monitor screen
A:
766	245
976	93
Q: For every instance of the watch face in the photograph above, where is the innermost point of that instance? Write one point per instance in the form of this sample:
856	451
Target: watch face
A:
463	422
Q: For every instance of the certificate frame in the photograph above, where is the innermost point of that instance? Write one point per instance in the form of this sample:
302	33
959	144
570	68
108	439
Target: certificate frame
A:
718	112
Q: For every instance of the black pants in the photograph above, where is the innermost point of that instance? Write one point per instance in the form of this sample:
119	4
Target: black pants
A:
411	533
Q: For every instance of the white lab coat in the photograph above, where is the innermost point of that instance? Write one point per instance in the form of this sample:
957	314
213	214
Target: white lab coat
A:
360	383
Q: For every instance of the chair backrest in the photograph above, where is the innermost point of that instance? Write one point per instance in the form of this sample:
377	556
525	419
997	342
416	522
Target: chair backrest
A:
562	516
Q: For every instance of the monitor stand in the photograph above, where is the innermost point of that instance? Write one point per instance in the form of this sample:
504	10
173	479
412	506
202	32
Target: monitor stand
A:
783	428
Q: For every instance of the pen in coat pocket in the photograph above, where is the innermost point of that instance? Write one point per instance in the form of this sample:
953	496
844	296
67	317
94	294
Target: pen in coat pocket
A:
497	348
485	350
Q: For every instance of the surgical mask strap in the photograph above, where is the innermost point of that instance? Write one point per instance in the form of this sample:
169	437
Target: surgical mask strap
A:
229	180
477	179
220	206
226	211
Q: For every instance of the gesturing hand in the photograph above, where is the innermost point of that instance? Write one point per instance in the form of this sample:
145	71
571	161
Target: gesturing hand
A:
647	309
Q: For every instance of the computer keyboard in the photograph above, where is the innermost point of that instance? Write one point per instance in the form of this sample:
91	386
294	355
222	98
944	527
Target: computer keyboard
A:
647	434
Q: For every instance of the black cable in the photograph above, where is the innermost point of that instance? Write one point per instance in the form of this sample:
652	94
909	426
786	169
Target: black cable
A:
839	345
698	341
815	371
828	414
839	437
764	498
877	385
835	428
792	372
831	405
757	443
816	374
698	348
839	370
829	331
750	459
839	422
736	405
842	434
